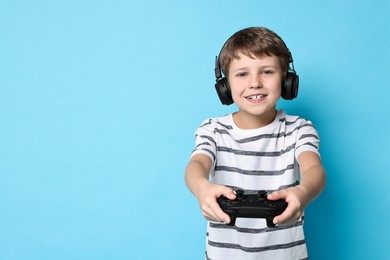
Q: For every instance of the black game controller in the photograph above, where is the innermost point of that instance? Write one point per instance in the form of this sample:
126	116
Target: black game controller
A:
252	206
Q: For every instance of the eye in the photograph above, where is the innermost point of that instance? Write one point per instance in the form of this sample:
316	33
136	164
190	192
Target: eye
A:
267	72
241	74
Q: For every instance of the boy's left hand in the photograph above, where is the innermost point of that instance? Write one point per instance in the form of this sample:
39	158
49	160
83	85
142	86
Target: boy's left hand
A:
297	200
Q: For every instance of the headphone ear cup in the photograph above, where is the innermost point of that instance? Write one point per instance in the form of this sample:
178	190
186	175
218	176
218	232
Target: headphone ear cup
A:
290	86
223	90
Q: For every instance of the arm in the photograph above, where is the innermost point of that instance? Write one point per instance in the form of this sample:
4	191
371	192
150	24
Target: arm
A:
298	197
197	180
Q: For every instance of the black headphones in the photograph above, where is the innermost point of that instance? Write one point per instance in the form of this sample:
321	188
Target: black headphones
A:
289	84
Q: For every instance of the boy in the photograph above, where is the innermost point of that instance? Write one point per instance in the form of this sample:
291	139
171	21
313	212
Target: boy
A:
255	148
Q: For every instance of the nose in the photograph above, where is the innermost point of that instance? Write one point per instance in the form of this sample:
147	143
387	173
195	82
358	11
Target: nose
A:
256	82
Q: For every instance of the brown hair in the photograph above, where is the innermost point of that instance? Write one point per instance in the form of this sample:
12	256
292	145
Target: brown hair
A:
257	41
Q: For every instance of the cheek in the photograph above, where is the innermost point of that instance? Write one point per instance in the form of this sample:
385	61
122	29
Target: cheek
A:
236	91
277	87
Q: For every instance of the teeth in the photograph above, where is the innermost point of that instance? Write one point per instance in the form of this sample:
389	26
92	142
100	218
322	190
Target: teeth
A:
255	97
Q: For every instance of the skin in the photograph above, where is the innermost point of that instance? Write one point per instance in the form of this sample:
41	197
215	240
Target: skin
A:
256	87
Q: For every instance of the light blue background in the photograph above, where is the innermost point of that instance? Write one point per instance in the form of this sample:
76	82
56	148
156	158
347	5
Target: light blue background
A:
99	101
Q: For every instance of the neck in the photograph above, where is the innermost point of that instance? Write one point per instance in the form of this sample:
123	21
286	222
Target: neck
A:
248	121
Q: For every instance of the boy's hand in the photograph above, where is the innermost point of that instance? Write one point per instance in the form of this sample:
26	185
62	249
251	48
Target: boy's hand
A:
298	197
207	198
297	200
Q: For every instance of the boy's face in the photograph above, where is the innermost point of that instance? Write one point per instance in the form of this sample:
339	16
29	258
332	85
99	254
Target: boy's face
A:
256	87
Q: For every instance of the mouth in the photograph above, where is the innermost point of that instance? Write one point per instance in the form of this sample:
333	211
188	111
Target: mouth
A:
255	97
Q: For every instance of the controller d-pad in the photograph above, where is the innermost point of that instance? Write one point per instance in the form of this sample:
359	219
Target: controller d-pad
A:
230	203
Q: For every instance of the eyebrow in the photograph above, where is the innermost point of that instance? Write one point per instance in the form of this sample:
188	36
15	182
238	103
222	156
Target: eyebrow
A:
261	67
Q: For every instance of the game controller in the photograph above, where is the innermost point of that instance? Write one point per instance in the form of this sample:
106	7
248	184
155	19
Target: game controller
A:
252	206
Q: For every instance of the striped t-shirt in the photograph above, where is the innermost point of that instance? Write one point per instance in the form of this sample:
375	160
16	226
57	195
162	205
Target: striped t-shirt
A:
252	160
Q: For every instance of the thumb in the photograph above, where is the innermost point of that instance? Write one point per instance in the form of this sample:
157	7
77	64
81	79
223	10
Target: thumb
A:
276	195
228	193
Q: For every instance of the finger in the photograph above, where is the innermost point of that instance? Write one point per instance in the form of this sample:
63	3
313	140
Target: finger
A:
289	215
228	193
219	214
277	195
282	218
212	211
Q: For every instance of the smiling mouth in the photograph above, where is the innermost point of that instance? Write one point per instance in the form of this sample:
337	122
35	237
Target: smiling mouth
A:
255	97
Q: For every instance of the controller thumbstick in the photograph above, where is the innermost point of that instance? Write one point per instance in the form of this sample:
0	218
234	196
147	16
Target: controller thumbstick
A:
240	194
262	194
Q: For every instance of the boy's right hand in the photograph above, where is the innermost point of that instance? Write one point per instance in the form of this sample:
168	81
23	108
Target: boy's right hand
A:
207	198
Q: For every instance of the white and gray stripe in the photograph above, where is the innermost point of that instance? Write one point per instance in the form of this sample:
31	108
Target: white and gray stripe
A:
258	159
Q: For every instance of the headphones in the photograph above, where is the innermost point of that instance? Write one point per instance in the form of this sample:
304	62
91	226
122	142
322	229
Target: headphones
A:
289	84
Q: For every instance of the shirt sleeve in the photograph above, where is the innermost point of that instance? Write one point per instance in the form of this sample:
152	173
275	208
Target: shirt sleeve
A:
307	139
205	141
